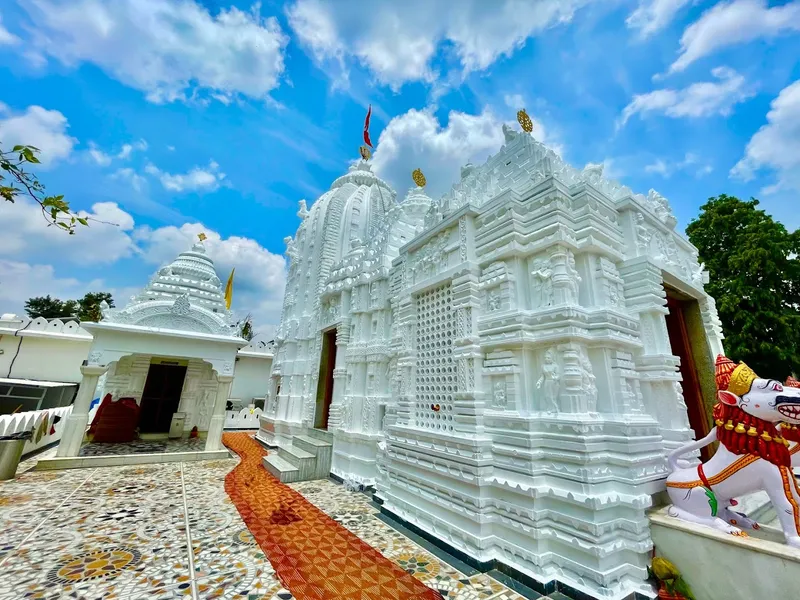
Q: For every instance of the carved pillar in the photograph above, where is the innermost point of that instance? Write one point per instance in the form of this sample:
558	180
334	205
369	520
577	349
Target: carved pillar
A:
75	427
406	359
469	404
655	364
214	436
339	375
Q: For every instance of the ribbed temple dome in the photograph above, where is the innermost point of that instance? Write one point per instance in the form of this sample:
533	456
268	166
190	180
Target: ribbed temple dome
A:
192	274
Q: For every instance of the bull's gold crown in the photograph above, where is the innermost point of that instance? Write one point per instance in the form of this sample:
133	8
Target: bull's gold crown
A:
741	380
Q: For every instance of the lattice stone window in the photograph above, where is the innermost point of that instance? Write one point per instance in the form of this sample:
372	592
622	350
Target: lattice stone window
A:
436	369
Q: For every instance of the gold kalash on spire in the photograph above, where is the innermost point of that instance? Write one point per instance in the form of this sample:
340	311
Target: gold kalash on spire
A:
524	121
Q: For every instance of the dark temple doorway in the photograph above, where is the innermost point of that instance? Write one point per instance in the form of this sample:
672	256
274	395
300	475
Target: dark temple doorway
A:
325	387
161	397
688	342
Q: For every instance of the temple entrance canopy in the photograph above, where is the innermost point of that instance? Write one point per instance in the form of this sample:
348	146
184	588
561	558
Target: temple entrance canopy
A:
172	349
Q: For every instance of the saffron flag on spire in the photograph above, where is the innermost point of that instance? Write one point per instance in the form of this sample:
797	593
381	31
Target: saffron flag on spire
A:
366	127
229	290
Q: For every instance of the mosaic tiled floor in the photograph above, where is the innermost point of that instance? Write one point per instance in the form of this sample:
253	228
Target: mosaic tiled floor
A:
143	447
124	532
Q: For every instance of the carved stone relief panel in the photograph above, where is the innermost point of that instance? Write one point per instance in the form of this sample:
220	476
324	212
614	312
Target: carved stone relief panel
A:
431	259
611	284
548	386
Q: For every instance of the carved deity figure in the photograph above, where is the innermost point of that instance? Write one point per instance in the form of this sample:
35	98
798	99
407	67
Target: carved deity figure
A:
588	382
549	381
593	172
753	455
291	250
302	211
500	399
574	277
660	205
542	280
493	301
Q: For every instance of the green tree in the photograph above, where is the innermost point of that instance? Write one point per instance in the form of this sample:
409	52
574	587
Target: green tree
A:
754	272
50	308
89	305
246	328
15	182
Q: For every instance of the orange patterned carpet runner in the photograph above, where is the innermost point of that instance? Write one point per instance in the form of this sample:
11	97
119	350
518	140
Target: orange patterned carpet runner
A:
314	557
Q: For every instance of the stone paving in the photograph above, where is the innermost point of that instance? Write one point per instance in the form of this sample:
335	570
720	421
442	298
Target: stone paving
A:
143	447
124	533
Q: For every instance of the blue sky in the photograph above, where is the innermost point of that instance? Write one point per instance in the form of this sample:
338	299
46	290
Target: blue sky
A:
172	117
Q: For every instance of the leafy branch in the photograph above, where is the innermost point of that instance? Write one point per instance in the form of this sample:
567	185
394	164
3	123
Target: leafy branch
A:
16	182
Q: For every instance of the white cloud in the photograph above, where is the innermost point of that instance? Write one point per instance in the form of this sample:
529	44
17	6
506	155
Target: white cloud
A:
651	16
260	274
26	235
417	139
169	49
98	156
611	169
690	163
776	145
731	23
127	149
6	37
514	101
20	281
39	127
136	181
698	100
104	159
397	41
205	179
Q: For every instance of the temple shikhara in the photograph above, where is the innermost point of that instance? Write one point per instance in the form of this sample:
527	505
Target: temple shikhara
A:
508	365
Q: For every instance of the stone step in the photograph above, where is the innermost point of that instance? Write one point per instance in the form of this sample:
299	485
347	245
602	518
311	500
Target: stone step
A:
321	434
310	444
264	443
322	450
304	461
281	469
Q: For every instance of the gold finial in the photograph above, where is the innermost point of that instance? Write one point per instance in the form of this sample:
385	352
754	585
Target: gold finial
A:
201	236
366	154
525	121
419	178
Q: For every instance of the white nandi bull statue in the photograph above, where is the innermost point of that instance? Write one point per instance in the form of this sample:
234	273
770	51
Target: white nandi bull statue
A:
753	455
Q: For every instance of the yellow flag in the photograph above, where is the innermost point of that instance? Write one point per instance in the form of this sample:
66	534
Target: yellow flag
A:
229	290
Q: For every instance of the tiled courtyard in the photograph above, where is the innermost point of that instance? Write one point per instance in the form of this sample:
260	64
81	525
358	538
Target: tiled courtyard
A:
124	533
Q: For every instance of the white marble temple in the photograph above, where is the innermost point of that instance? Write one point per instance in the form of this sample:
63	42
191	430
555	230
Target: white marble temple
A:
503	373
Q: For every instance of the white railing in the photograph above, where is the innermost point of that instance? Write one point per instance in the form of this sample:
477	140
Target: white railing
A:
38	421
247	418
